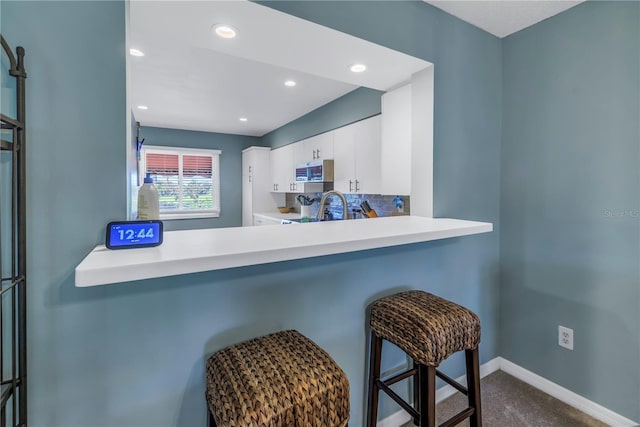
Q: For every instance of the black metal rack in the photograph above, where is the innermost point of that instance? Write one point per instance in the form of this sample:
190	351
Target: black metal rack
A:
13	252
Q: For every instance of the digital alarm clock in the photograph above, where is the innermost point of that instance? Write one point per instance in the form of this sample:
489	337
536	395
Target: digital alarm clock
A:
133	234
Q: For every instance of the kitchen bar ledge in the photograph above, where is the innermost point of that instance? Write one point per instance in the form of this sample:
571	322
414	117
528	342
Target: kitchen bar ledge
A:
192	251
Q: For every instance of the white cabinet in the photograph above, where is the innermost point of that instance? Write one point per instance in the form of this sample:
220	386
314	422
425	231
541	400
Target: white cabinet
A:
283	166
357	158
265	220
319	147
255	183
396	141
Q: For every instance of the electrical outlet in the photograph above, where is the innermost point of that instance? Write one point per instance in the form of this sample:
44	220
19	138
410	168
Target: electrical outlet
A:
565	337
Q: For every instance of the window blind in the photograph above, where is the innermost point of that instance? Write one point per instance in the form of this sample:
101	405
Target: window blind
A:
187	181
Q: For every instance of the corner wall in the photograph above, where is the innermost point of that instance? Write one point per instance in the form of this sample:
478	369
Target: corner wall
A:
570	239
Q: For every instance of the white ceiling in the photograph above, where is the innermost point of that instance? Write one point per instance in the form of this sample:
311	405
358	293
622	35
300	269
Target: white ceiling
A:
193	80
503	17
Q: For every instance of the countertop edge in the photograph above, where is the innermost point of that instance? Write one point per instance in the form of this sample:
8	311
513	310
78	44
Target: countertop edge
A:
102	267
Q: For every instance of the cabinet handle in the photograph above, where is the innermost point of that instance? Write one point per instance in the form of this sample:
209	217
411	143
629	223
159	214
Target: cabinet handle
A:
249	178
350	186
318	155
357	185
249	169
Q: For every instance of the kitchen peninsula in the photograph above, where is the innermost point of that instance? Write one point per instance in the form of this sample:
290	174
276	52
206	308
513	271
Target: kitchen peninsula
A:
192	251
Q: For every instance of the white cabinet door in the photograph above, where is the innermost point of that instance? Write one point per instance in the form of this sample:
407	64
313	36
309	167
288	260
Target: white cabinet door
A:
283	169
344	164
255	183
367	156
319	147
396	141
281	160
356	157
247	198
299	155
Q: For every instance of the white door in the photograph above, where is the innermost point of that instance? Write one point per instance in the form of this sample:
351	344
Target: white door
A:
247	190
368	156
319	147
280	161
344	174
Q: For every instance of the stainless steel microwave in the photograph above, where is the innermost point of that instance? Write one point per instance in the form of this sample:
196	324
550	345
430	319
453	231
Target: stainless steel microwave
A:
315	171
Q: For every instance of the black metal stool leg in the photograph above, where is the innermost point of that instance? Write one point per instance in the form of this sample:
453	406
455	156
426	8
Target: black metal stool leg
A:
416	392
427	376
375	353
473	386
211	422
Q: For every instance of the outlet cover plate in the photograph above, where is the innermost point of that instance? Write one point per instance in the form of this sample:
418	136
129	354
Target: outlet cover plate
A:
565	337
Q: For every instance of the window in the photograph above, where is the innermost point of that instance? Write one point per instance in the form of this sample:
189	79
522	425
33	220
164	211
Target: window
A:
187	179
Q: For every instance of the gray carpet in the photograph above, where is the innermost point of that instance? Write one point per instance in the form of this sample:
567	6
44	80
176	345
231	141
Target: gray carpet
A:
509	402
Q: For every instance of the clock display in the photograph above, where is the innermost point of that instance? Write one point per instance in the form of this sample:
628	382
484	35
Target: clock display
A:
133	234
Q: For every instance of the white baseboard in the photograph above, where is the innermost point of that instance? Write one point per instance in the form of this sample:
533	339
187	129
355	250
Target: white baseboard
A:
583	404
396	419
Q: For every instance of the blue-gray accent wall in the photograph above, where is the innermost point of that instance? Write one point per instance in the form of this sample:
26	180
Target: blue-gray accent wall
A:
133	354
570	211
355	105
230	170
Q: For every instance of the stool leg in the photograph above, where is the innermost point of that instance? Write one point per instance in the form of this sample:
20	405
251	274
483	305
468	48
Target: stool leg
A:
211	421
473	386
375	353
416	392
427	378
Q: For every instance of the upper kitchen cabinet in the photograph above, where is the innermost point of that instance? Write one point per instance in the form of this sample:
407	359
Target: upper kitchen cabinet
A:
357	157
283	170
319	147
281	161
396	141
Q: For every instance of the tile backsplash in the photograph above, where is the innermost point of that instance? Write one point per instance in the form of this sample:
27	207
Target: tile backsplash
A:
383	205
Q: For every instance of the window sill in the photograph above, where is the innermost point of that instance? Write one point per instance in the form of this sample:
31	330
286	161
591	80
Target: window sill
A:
194	215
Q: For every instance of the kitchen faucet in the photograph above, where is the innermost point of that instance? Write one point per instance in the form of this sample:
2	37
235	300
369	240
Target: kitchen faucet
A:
325	196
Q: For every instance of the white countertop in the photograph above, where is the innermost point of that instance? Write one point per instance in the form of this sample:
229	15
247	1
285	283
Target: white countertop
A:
192	251
278	215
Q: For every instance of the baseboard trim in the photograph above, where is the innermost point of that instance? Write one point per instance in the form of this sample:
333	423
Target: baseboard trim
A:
583	404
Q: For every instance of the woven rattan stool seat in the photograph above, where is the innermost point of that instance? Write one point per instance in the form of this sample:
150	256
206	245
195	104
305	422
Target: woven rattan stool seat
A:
428	328
279	380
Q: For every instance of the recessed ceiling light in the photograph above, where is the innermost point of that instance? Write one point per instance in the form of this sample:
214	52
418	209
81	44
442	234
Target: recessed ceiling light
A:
243	119
225	31
142	107
290	83
135	52
358	68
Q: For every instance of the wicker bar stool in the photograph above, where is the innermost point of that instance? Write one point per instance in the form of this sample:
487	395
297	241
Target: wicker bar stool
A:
278	380
429	329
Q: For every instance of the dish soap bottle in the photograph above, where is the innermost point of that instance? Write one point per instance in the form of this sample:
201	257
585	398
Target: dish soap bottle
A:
399	202
148	200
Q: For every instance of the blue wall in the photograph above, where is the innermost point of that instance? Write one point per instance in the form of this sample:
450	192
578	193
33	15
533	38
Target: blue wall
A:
230	170
133	354
356	105
571	201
